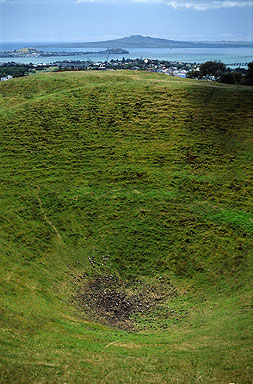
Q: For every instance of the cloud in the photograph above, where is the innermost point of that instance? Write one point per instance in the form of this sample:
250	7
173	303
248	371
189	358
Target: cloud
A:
197	5
200	5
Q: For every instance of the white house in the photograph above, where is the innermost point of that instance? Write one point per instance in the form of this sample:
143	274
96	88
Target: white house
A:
5	78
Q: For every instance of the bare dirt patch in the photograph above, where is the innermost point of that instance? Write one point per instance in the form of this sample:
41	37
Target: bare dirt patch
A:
115	302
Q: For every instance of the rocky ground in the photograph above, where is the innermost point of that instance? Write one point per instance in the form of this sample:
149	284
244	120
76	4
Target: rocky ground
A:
116	302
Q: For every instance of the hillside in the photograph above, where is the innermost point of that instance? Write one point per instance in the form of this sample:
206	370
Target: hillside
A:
139	41
126	229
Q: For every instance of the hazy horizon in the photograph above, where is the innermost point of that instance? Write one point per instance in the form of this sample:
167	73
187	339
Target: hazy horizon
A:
105	38
100	20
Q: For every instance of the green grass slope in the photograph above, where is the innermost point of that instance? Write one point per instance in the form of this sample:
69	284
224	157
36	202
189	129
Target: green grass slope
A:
154	172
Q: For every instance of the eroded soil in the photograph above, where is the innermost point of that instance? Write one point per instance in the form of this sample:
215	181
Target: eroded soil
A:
116	302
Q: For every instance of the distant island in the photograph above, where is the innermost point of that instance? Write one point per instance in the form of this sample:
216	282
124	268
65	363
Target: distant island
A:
139	41
32	52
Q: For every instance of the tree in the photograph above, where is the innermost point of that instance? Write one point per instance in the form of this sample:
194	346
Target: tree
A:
193	74
212	69
15	69
249	74
231	78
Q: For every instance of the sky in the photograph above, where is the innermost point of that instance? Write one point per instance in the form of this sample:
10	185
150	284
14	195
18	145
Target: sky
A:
95	20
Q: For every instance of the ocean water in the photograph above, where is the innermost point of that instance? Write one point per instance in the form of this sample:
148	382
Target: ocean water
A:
229	56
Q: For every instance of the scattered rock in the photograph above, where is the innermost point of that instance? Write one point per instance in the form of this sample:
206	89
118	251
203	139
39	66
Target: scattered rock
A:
115	302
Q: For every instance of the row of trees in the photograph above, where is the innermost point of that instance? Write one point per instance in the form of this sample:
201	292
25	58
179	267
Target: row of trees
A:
216	70
14	69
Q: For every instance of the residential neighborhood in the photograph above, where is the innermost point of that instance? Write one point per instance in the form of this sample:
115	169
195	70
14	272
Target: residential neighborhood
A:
210	70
